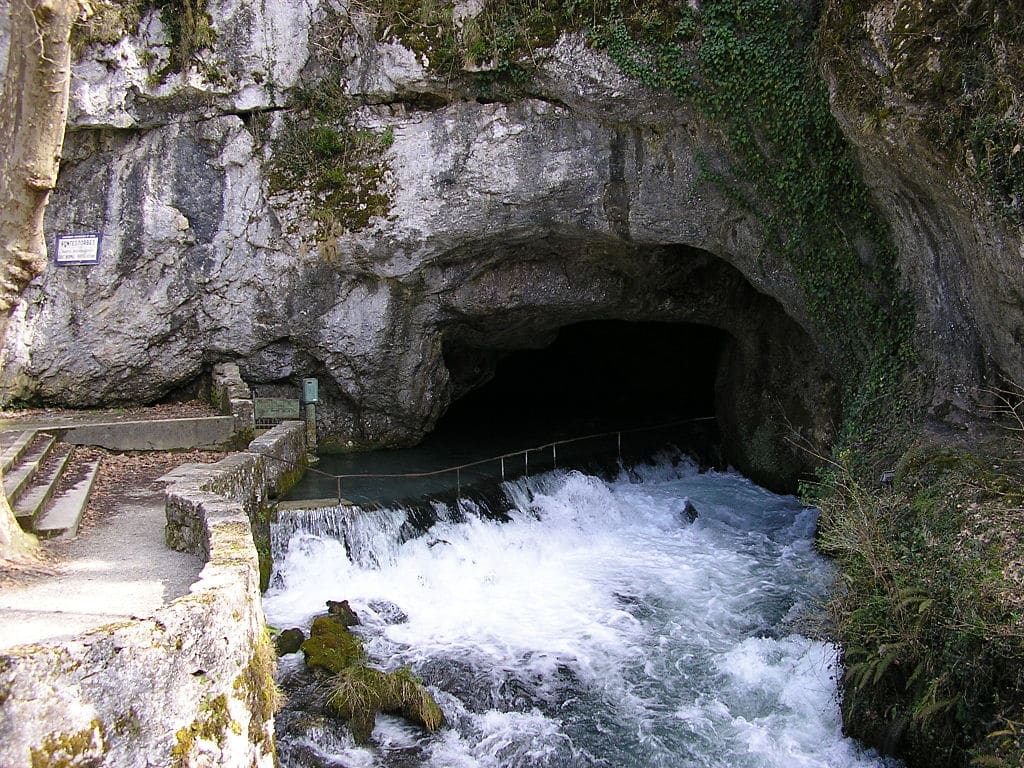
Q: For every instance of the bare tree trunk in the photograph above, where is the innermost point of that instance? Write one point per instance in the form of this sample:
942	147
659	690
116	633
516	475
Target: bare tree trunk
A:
33	112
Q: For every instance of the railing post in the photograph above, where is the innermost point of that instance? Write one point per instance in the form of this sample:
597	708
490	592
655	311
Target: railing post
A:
619	439
554	456
502	469
458	484
526	462
338	479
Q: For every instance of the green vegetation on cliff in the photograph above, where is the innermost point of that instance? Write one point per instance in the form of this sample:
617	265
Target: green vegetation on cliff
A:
930	606
337	168
187	24
956	76
749	66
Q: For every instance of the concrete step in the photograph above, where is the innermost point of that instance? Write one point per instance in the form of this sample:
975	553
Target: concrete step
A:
15	448
16	481
33	500
64	514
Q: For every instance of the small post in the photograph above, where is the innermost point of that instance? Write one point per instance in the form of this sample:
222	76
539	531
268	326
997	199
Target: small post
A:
310	397
554	456
526	463
619	439
458	484
311	429
502	469
338	479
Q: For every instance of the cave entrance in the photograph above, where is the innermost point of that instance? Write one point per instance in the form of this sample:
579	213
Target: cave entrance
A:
595	376
525	343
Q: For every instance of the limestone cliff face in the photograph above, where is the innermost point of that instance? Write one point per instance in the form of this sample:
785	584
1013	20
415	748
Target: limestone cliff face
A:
929	94
470	227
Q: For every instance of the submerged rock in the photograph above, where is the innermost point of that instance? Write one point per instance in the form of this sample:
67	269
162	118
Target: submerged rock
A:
387	612
688	512
289	641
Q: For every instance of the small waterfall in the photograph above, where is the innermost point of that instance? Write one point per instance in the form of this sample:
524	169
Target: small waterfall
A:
371	536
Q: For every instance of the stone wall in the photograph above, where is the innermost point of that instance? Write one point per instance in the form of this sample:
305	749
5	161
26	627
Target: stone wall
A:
191	686
241	479
231	396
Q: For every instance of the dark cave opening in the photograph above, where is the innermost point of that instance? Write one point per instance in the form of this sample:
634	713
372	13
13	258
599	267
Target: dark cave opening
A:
554	340
591	378
595	376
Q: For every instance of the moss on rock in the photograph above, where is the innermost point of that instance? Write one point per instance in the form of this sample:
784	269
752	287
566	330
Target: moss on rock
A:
257	688
260	523
337	168
331	647
109	21
71	750
408	697
359	692
952	78
188	24
211	725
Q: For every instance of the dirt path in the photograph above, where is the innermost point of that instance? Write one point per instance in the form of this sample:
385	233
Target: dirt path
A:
119	565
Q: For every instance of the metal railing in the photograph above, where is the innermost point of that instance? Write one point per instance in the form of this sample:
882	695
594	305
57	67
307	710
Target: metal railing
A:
500	458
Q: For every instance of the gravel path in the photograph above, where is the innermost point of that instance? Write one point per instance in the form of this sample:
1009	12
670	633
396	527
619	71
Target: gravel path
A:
116	568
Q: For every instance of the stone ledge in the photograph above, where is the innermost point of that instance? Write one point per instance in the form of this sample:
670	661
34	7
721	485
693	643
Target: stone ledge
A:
155	435
190	686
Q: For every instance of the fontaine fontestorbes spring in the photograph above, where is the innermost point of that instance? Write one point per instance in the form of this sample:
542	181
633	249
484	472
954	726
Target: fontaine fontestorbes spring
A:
396	198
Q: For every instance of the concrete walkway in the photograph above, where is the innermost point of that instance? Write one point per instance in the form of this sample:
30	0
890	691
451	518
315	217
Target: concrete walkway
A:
117	569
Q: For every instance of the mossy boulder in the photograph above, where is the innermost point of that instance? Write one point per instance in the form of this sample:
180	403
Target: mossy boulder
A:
289	641
360	692
331	647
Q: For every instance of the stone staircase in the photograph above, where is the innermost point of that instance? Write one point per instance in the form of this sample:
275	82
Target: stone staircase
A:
45	499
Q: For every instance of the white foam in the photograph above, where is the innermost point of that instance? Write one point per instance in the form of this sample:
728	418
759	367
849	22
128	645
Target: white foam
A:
600	623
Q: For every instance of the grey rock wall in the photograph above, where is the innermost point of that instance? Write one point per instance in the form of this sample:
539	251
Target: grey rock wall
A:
960	256
506	222
539	207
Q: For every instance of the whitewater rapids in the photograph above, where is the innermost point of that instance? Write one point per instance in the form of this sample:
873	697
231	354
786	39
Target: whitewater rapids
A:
585	622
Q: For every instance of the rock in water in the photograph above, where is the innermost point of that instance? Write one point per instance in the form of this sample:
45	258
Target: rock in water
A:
359	692
688	512
388	612
343	613
331	647
289	641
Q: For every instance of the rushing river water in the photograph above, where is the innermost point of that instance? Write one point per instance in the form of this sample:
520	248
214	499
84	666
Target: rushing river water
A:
584	623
